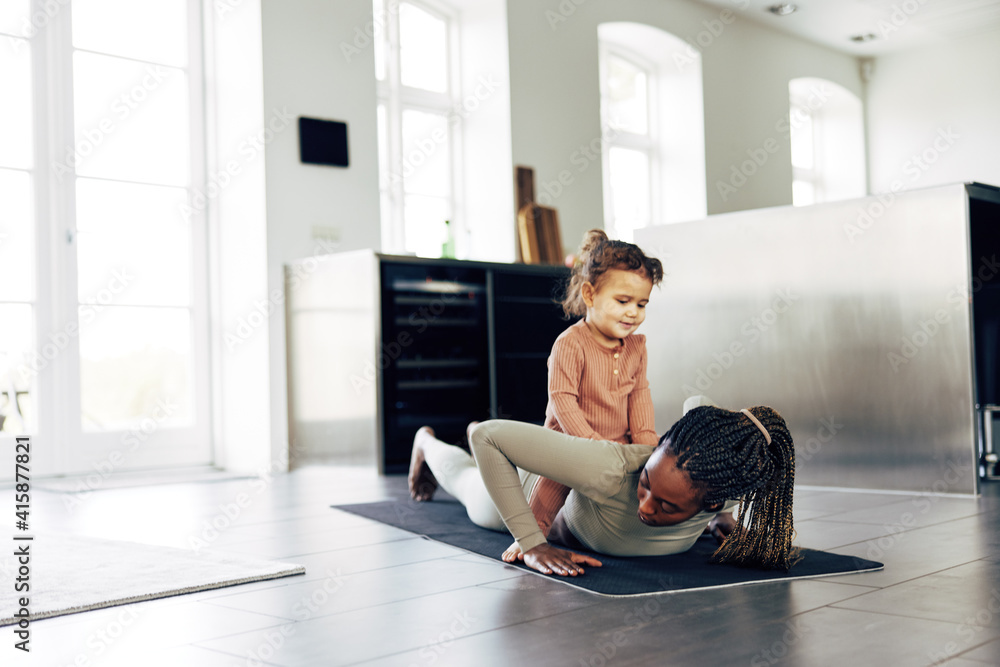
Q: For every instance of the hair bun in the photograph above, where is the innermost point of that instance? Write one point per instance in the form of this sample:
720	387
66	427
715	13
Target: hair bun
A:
592	239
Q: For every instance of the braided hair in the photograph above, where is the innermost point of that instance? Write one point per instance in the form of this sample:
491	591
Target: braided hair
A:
598	255
728	457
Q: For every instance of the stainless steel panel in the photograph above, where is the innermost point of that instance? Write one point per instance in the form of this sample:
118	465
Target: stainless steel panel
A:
850	318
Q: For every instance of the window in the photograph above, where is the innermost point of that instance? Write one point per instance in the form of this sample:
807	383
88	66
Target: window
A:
103	313
826	131
18	301
418	130
630	146
653	133
806	185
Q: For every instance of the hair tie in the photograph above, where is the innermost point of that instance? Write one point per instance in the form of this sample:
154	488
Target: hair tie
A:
767	436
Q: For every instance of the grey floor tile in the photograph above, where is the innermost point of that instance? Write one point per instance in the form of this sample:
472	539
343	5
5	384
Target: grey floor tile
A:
645	633
179	656
987	653
917	512
286	548
825	535
122	655
735	630
538	596
339	593
248	532
403	600
241	588
806	491
193	656
837	502
863	638
908	554
365	558
981	532
472	558
345	639
967	595
802	514
133	630
986	529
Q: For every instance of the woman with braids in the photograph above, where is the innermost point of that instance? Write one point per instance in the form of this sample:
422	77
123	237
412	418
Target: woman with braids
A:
628	500
597	386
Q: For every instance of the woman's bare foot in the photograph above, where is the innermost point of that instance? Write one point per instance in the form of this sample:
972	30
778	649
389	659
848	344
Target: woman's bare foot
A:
513	553
421	479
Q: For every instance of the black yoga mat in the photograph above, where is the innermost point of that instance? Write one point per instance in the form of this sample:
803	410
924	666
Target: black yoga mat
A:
445	520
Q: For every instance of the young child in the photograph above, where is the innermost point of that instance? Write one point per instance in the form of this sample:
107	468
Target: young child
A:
597	368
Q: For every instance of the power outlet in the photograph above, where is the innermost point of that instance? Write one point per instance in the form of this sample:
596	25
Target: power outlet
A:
324	233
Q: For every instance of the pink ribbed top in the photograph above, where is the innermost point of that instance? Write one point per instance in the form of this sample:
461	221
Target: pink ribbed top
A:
597	392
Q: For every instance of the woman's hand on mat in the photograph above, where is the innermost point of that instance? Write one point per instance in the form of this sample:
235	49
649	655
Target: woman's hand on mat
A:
512	554
721	525
548	559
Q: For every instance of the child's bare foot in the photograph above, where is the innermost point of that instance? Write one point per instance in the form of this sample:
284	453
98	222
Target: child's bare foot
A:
421	479
512	554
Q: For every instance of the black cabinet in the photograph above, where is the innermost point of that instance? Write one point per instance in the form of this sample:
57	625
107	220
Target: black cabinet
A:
984	293
526	321
435	336
463	341
413	342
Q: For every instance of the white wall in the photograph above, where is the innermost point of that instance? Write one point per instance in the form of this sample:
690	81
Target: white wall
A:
555	98
933	115
317	63
238	240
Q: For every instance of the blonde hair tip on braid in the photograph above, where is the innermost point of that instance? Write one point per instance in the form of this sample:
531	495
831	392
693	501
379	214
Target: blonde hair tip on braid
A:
750	459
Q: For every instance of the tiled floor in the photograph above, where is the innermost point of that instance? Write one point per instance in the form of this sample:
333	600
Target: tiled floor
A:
375	595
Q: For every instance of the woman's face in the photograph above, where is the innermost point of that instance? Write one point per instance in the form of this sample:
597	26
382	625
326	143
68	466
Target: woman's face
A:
666	494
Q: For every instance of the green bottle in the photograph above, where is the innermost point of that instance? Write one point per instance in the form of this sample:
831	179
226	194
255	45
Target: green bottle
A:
448	247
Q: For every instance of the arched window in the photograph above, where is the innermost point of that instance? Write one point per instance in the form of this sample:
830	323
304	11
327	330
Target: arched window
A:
827	139
653	128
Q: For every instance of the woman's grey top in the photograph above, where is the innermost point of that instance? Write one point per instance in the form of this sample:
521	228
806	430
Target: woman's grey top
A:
602	508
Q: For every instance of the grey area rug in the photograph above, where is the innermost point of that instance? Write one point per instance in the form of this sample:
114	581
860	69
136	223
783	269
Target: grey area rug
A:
69	574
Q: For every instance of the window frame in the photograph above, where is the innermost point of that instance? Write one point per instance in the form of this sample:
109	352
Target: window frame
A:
66	447
395	98
648	143
812	176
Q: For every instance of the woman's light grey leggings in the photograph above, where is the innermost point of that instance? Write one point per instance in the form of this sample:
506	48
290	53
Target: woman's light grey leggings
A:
457	473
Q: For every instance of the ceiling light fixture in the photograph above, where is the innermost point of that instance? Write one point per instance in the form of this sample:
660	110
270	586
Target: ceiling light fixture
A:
783	9
863	37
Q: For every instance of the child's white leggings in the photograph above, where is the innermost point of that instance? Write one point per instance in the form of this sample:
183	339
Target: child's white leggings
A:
456	473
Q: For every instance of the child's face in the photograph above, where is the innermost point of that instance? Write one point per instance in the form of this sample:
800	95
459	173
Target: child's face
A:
618	306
